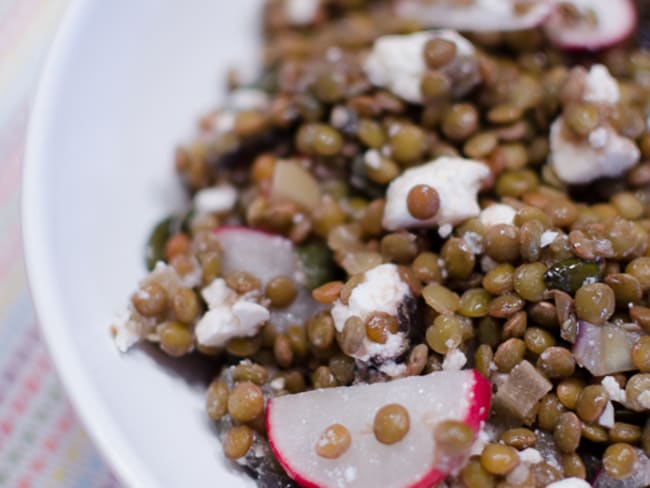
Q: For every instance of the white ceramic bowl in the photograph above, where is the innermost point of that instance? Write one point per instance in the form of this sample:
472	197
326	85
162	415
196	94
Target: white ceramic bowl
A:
124	83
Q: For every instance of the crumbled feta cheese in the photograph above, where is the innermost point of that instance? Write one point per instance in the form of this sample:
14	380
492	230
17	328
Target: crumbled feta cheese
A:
229	315
454	360
218	293
247	99
530	456
301	12
474	241
224	121
372	158
445	230
496	214
615	392
124	330
457	181
518	475
486	435
391	368
547	238
570	483
216	199
644	400
488	264
606	418
382	290
397	62
604	153
578	163
278	383
129	326
598	137
600	86
339	117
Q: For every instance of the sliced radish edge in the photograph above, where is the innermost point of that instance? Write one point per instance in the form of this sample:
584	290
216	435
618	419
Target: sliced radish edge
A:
476	415
482	16
621	16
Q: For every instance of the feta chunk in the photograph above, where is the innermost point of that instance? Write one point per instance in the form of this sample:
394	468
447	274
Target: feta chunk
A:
229	315
474	241
581	162
382	290
615	392
218	293
606	418
301	12
548	237
125	331
530	456
216	199
498	213
570	483
644	400
128	327
396	62
247	99
222	121
604	152
454	360
600	86
457	181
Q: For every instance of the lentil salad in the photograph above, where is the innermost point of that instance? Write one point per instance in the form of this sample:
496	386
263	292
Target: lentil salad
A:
391	198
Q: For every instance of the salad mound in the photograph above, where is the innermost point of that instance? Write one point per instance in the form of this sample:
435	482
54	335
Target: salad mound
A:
417	246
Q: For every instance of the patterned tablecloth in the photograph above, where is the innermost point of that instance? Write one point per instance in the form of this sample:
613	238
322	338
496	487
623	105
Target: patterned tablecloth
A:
42	443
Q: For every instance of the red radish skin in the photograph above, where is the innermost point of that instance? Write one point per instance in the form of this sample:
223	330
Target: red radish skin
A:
474	386
618	21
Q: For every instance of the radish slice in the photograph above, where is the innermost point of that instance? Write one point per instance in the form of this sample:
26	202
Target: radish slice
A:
266	256
598	24
605	349
259	253
295	423
479	15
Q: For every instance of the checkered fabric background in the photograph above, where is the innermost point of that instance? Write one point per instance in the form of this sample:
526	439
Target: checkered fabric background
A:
42	444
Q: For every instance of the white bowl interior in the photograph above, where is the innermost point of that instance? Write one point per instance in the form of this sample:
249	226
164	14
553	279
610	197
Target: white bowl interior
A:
124	84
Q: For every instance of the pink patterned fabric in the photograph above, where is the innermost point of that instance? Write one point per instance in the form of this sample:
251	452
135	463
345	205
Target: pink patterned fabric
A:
42	443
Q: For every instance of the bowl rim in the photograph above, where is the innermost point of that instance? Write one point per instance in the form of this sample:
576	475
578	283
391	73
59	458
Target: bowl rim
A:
110	440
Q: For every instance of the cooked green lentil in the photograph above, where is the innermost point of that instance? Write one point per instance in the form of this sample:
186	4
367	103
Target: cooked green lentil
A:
391	423
245	402
176	339
333	442
568	392
567	432
238	441
619	459
423	202
505	293
453	437
591	402
595	303
281	290
498	459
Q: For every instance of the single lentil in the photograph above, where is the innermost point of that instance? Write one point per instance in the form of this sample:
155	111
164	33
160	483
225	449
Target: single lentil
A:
391	423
